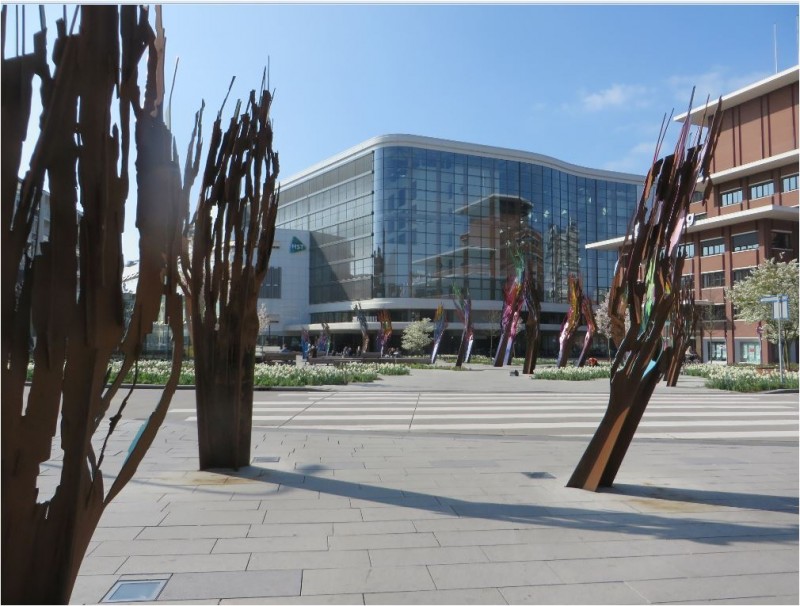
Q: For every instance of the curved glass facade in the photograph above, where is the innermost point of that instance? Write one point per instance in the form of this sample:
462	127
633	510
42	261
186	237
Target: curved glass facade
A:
412	222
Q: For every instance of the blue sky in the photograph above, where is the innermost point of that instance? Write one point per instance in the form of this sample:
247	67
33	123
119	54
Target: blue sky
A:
588	84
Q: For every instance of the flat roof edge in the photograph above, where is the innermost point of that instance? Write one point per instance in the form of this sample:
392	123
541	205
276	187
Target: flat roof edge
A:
460	147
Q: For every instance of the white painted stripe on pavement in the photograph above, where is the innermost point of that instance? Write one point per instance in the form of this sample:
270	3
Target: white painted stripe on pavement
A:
722	435
420	416
570	425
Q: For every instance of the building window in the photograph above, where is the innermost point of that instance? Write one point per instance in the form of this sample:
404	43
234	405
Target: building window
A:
742	274
747	241
748	352
760	190
712	247
271	286
687	281
712	279
686	250
789	183
734	196
697	196
782	240
717	351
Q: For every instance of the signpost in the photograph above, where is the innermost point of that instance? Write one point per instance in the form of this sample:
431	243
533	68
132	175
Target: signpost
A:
780	311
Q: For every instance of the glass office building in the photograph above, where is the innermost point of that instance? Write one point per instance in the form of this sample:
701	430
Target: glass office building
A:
399	221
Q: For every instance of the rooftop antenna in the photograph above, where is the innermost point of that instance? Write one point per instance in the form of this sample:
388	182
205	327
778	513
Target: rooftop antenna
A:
775	44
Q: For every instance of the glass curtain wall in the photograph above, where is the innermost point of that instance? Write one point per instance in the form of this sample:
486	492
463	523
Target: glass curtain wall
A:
407	222
445	219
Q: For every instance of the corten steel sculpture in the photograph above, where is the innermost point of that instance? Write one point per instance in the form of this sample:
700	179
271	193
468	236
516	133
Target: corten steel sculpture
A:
617	302
385	329
324	340
533	335
70	296
439	326
591	329
683	323
463	305
571	321
512	306
655	232
233	231
362	322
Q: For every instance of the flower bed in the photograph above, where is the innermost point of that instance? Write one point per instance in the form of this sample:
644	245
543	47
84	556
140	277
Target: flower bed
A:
573	373
155	372
738	378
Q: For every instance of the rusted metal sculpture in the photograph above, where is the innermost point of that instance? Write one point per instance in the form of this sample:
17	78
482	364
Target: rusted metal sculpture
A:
512	306
439	326
463	305
324	340
233	231
655	233
591	329
362	322
70	296
571	321
384	330
683	323
533	335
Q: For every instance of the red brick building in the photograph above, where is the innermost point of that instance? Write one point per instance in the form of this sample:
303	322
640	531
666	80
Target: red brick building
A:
751	215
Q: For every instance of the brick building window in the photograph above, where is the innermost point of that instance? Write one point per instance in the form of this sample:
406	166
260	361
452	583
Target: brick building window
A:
781	240
742	274
733	196
761	190
712	247
686	250
789	183
747	241
712	279
717	351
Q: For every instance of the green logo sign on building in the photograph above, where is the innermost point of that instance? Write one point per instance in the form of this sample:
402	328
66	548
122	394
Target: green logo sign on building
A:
296	246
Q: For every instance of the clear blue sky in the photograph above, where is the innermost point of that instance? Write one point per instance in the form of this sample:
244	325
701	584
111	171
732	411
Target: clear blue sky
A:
588	84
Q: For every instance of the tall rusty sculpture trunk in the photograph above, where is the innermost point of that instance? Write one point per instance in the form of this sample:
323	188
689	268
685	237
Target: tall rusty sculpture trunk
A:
70	295
512	306
533	333
463	307
234	227
591	329
651	274
571	321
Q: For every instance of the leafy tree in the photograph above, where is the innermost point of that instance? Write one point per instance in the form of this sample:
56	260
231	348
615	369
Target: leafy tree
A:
417	336
769	278
603	322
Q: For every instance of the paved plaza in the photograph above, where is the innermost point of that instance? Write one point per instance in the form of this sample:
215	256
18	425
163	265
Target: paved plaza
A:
449	488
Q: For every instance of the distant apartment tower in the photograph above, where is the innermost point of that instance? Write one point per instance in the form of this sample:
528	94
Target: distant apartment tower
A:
750	216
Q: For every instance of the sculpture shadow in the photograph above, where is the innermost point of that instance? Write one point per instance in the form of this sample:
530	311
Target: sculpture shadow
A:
661	526
741	500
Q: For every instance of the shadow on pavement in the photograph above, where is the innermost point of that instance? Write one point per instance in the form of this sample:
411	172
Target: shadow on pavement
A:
554	516
742	500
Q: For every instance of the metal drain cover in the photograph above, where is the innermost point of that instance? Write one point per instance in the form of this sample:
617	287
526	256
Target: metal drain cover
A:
141	590
266	459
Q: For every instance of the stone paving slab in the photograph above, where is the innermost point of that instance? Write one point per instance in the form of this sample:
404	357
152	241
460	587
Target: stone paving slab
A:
452	596
195	563
577	593
250	584
367	580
